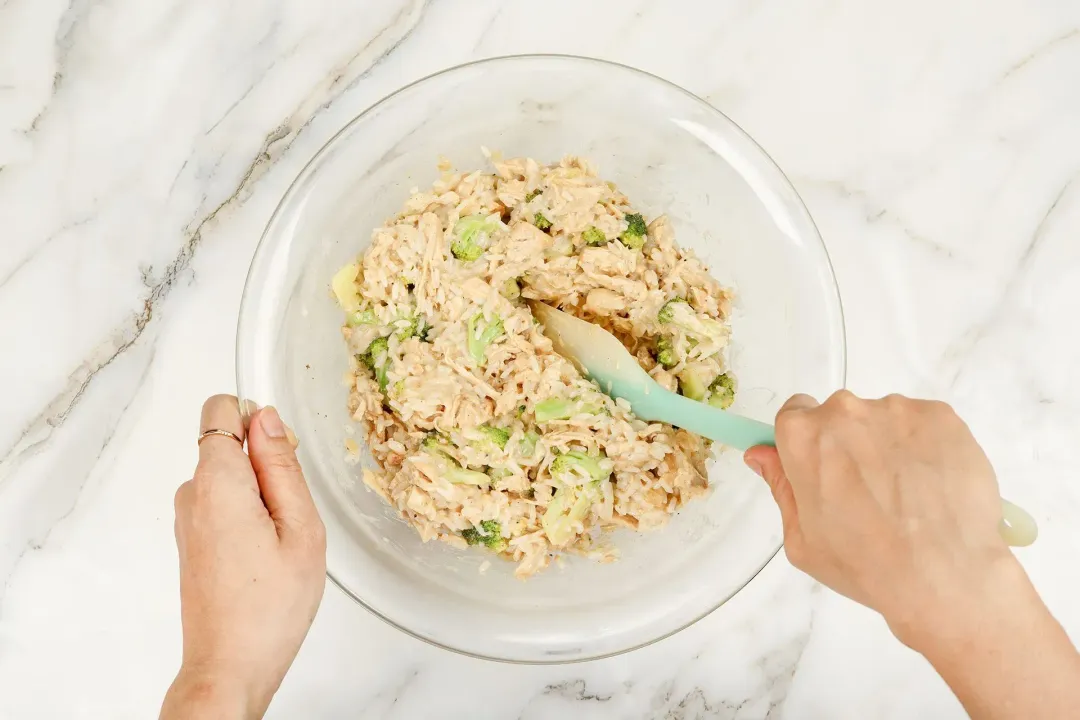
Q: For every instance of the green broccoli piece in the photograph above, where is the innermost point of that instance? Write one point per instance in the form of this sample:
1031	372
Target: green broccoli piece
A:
511	289
665	352
471	236
434	443
722	391
533	195
361	317
633	236
562	409
692	385
480	335
410	326
492	437
667	310
575	463
593	236
377	358
528	443
567	508
541	222
488	533
679	313
454	473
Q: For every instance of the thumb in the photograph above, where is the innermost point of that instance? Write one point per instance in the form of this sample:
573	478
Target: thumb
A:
765	461
281	481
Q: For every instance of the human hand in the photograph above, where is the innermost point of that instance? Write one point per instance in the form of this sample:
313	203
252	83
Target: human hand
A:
252	566
890	502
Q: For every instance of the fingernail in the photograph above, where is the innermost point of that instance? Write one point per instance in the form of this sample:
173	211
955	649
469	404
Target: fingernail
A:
292	436
271	423
754	465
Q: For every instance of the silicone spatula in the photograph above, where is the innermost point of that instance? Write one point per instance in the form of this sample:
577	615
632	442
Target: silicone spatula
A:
600	355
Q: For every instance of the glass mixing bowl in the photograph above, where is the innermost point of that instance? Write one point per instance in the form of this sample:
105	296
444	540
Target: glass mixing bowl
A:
670	152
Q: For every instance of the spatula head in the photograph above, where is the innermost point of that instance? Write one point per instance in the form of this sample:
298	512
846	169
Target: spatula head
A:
597	353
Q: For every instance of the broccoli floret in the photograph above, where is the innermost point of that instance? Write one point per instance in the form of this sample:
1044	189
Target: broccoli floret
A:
541	222
528	444
480	335
633	236
498	473
511	289
593	236
377	350
409	326
471	236
488	533
533	195
635	224
492	436
361	317
377	358
563	408
722	392
567	508
692	385
679	313
667	310
575	463
665	352
434	443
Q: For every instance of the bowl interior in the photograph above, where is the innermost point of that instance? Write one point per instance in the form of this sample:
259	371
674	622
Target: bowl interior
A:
670	153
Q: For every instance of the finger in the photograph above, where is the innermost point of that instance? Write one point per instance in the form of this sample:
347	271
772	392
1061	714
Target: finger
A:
765	461
281	481
221	412
799	401
181	503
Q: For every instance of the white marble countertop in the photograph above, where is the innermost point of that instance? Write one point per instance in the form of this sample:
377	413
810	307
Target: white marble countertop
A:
143	147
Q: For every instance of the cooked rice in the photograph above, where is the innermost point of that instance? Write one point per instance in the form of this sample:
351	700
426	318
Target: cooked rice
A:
409	288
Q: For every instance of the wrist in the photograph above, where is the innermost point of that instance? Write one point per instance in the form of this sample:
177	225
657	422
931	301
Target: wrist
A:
201	692
958	610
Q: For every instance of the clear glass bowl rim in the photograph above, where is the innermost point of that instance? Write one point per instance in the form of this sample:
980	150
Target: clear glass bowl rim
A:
809	228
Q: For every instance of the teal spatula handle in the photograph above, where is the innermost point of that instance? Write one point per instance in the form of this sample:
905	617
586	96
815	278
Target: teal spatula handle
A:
718	425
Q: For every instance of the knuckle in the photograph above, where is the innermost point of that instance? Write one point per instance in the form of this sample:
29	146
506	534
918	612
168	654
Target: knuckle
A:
895	401
793	424
219	401
845	401
940	409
